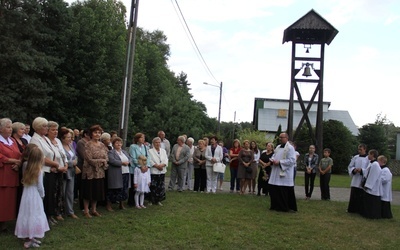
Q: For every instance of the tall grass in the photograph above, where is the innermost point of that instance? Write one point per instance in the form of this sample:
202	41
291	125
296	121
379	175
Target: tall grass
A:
191	220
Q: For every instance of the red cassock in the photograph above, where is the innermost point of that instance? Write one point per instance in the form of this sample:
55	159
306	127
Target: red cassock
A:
9	181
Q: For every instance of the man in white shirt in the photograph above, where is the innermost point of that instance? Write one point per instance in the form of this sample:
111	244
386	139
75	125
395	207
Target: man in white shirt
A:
281	180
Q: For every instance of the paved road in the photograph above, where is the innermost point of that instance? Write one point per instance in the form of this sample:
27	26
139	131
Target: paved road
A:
337	194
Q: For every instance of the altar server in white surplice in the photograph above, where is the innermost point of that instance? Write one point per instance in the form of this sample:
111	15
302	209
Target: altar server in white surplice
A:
372	188
386	190
281	180
357	166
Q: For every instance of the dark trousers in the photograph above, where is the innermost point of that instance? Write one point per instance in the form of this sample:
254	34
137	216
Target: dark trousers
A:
234	179
157	188
283	198
324	185
309	183
262	182
200	179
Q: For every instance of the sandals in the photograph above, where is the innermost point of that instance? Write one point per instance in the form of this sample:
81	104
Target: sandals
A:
95	213
37	241
87	215
31	244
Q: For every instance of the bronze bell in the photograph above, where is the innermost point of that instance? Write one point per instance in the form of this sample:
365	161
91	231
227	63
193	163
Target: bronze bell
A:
307	71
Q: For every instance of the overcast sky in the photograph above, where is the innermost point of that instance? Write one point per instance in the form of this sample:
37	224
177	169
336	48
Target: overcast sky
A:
241	42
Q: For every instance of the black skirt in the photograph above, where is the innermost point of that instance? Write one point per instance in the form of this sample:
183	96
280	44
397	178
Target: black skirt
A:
93	190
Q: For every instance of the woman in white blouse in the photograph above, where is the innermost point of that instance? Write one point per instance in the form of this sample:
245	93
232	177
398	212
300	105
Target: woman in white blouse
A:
214	154
50	168
159	163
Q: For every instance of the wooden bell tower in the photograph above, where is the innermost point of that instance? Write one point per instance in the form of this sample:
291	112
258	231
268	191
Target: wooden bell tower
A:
311	31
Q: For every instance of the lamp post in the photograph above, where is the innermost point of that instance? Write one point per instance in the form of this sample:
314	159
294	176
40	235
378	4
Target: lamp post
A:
220	98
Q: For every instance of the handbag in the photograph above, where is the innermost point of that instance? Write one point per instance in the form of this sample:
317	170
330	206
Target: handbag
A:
219	167
77	170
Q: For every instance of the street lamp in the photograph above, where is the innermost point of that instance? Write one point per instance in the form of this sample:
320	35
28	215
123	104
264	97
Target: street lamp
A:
220	97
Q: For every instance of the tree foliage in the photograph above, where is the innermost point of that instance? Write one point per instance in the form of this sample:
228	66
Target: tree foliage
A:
253	135
373	135
337	137
342	143
67	63
390	131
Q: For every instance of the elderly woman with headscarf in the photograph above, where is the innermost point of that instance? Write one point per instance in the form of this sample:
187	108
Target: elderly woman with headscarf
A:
10	161
159	163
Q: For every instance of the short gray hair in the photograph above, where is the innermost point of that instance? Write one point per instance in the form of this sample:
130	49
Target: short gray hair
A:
182	138
191	140
105	136
52	124
4	122
156	139
39	122
16	126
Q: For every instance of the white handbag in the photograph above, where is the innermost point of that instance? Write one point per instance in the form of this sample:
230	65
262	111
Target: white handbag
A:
219	167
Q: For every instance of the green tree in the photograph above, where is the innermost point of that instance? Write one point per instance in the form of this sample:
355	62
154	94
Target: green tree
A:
374	136
29	38
303	140
95	57
340	140
161	100
391	132
261	138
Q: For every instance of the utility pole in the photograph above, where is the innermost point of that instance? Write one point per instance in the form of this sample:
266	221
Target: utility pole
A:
127	82
220	98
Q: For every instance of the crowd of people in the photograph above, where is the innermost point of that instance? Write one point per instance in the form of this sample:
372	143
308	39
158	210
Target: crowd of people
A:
58	165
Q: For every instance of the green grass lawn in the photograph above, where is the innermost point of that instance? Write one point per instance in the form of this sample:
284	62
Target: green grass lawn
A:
191	220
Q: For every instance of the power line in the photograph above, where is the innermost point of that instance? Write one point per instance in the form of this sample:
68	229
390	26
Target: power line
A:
194	42
195	47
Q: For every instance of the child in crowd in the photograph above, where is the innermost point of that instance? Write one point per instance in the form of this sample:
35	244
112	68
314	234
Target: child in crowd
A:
25	155
141	181
325	169
386	195
32	221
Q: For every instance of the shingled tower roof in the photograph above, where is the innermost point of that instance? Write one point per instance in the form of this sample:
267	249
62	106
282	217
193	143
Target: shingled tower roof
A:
310	29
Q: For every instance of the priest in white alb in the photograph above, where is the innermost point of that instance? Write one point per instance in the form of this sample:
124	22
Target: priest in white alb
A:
281	179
